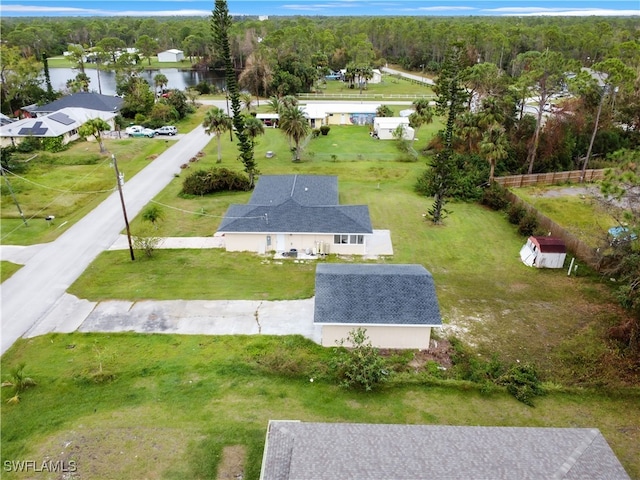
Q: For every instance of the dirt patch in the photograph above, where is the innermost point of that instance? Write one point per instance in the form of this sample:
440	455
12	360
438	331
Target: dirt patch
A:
111	453
232	464
439	351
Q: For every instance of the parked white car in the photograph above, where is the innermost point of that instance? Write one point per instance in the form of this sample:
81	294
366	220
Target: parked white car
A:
139	131
167	130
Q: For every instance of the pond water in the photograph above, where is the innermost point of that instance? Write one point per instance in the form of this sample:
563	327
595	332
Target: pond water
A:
106	84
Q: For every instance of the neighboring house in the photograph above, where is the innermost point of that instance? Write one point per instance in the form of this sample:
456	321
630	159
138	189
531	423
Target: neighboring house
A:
172	55
300	212
349	451
87	100
63	123
377	76
4	120
340	113
384	128
268	119
543	252
396	304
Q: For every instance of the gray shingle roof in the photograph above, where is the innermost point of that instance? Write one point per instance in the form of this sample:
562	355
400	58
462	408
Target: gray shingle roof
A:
375	294
328	451
89	100
296	204
307	190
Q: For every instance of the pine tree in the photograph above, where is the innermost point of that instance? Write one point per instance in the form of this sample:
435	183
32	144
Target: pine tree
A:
221	24
451	100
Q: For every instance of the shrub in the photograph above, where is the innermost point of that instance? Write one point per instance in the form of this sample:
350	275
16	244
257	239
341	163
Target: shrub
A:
324	129
53	144
360	365
522	382
495	197
516	213
29	144
203	182
315	132
146	244
19	382
528	225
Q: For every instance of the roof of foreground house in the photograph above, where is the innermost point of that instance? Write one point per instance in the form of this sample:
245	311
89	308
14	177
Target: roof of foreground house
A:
327	451
375	294
296	204
88	100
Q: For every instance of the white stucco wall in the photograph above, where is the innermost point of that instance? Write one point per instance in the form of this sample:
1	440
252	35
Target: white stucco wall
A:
245	242
381	336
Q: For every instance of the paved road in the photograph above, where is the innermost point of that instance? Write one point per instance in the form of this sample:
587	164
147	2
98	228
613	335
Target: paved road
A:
37	287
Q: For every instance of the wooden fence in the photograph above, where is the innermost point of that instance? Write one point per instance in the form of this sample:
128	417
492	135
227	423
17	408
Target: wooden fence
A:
553	178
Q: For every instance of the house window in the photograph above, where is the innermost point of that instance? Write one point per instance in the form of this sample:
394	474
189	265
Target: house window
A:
356	239
348	239
341	239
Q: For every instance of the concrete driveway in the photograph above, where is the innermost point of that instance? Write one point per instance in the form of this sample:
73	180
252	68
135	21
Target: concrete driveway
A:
194	317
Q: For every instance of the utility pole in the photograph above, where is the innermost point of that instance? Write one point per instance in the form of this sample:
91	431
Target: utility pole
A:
13	195
120	181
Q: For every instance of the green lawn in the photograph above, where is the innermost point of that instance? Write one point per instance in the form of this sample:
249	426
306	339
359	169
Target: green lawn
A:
7	269
389	87
165	406
580	214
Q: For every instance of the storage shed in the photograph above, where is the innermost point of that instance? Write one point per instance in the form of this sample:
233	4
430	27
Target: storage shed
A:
172	55
543	252
384	127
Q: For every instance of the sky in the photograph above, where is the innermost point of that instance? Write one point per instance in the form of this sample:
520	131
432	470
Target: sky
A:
165	8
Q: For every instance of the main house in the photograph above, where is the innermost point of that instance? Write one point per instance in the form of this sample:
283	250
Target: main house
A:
298	212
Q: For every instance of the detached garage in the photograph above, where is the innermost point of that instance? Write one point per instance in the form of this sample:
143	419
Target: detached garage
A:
396	304
544	252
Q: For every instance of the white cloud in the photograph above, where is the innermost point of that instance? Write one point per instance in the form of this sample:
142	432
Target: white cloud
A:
560	12
442	8
319	6
71	11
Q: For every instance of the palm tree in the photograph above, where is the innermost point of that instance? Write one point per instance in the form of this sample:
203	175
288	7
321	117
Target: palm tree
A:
218	122
295	126
160	81
274	104
468	128
245	99
256	76
494	146
95	127
253	127
384	111
423	114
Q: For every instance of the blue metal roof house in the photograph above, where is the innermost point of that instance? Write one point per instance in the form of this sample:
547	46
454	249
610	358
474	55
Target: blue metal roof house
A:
298	212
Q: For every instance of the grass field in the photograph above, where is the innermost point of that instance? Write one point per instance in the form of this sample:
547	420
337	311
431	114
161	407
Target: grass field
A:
165	406
581	214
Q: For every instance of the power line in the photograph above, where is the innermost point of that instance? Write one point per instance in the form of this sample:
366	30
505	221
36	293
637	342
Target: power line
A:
57	189
262	217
